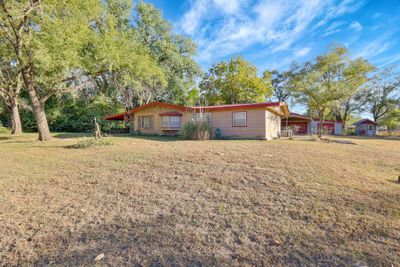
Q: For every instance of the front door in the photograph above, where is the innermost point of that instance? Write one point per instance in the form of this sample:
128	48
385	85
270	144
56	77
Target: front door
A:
370	129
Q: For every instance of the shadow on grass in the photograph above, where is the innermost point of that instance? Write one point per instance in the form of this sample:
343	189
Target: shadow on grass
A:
392	138
158	138
327	140
71	135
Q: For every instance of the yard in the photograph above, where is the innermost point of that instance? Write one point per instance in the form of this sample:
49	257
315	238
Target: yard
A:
158	201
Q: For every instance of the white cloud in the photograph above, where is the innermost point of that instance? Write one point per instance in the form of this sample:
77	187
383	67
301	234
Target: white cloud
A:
356	26
302	52
194	17
375	47
228	6
333	28
223	28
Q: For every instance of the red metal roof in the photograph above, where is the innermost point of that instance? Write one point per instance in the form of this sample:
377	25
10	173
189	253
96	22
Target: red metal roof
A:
240	106
367	121
161	104
296	115
121	116
116	117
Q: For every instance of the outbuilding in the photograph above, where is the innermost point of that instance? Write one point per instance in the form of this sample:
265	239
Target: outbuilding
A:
302	125
365	127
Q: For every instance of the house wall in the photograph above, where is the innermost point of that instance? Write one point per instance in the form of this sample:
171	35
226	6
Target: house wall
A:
155	112
362	129
260	123
337	127
272	125
256	123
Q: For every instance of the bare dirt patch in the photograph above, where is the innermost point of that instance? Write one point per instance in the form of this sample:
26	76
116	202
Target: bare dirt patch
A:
154	201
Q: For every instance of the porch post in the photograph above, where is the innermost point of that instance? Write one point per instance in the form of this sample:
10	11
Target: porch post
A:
131	123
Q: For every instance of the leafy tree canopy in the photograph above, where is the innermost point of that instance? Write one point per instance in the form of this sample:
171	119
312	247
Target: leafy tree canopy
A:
329	79
383	92
234	81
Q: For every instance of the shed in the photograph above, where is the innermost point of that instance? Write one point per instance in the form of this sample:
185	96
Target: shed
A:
365	127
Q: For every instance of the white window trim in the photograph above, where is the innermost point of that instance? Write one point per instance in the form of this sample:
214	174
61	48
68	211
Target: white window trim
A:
170	122
233	119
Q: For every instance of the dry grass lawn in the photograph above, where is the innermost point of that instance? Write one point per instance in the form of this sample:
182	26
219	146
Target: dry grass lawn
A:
155	201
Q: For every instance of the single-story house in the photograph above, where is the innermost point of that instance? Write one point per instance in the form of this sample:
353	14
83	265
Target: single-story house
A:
307	125
258	120
365	127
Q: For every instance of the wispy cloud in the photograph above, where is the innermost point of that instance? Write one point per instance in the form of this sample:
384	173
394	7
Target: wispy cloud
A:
356	26
226	27
333	28
376	47
302	52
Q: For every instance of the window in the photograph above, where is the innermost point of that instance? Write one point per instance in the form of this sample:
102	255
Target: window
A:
164	121
370	127
171	121
239	119
145	122
203	117
175	121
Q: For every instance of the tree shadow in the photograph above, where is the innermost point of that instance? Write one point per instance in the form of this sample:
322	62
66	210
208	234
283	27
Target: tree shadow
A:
71	135
156	138
357	137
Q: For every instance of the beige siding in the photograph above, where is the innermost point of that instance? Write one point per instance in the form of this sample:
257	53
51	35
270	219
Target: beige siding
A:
155	112
272	125
260	123
255	123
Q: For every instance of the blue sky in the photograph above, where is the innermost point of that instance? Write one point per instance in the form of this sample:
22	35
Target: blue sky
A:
273	33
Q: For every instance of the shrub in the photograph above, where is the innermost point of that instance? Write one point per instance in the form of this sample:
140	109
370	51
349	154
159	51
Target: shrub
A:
91	142
218	133
4	130
196	131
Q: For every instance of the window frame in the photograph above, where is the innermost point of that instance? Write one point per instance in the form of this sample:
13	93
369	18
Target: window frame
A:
370	127
141	124
170	120
233	119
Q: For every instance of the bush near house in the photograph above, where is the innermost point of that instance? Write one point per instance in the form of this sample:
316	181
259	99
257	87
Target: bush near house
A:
196	131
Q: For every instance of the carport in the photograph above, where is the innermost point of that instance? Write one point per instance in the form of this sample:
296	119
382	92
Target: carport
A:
300	124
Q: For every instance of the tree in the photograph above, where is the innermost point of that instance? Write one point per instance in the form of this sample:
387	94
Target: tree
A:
383	93
331	77
98	45
349	107
234	81
280	84
10	88
173	53
42	50
391	120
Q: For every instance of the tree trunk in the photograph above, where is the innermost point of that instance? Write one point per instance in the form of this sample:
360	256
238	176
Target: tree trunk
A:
37	108
321	124
16	126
